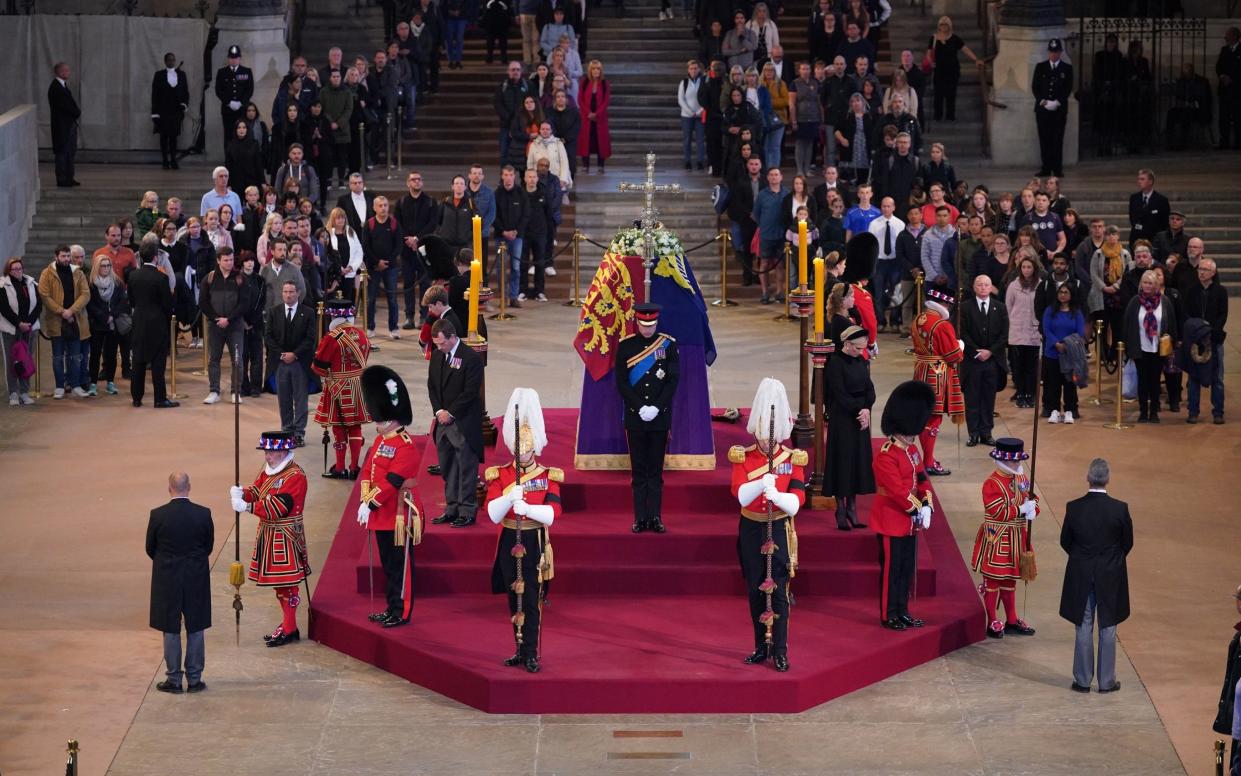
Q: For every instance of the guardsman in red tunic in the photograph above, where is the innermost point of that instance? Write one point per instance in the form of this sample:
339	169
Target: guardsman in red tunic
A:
937	362
861	253
389	506
770	491
903	500
523	498
1004	534
277	498
340	359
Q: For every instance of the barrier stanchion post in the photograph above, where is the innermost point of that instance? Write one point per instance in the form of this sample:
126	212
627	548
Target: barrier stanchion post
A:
1119	424
361	145
319	319
786	315
1099	398
206	326
502	259
38	364
1219	757
364	281
388	146
71	764
725	239
576	299
400	146
172	360
919	292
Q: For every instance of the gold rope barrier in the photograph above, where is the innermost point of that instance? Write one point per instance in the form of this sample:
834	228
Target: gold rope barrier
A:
576	299
1119	425
503	260
788	254
725	239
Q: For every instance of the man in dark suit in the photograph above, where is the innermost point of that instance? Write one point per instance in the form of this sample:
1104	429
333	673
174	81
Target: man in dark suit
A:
358	203
453	382
180	537
170	98
984	329
1097	534
648	368
1148	210
234	87
152	303
65	114
1051	87
743	189
290	337
1228	70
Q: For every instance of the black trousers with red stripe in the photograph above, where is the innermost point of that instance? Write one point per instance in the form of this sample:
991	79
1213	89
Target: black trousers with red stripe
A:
751	535
392	559
896	564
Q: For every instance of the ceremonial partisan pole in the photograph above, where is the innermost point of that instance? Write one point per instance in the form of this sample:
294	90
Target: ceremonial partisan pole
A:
236	576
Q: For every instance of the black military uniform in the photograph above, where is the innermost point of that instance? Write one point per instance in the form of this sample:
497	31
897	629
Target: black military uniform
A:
233	83
169	102
1052	84
647	368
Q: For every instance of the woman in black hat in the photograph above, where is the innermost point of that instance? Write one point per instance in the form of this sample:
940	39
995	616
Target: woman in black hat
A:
851	394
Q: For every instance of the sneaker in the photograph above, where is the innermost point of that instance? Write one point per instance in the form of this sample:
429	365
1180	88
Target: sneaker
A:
212	398
370	334
78	392
1068	417
530	271
92	390
111	389
550	272
521	297
1055	417
59	393
27	398
13	400
394	334
409	326
542	297
514	304
196	343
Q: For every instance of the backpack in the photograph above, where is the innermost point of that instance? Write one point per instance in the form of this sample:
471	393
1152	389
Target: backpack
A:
23	362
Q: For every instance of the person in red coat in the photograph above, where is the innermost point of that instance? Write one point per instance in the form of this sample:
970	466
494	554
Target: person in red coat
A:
903	500
1005	532
523	498
861	253
389	506
277	498
592	102
937	362
769	482
339	360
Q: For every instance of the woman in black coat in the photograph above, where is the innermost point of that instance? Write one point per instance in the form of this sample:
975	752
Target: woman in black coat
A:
851	394
1227	696
244	159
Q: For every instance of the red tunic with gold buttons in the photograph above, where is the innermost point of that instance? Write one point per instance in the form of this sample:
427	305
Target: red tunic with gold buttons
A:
339	360
1004	532
901	488
864	303
540	485
391	463
277	500
937	359
788	465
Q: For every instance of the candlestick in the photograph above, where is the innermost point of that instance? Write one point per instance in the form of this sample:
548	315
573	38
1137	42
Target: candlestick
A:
478	237
820	279
476	281
802	267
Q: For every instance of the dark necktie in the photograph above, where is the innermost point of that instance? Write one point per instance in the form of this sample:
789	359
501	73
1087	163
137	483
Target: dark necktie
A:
887	238
288	315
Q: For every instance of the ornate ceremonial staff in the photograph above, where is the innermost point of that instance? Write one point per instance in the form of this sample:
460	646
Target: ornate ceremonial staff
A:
236	576
1026	563
768	617
519	548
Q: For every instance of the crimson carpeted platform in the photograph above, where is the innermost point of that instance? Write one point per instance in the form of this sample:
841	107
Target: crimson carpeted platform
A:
643	623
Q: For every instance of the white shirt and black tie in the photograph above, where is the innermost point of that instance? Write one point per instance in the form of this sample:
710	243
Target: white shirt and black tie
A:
886	230
359	205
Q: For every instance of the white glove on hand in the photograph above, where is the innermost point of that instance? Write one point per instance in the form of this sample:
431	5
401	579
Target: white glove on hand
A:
769	481
235	491
1028	510
648	413
770	492
924	517
874	350
239	505
520	507
1051	104
961	345
234	105
364	514
514	495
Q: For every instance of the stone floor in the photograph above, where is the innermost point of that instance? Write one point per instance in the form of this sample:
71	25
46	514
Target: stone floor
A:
77	660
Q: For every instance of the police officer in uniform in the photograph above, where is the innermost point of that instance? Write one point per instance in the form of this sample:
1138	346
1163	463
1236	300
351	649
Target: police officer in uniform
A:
1052	87
234	86
647	367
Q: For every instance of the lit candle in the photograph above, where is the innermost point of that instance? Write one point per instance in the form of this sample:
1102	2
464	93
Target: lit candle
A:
802	247
820	280
476	281
478	240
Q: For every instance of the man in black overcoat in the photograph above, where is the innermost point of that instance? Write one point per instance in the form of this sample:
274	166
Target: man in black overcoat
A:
180	537
152	303
65	114
453	383
170	98
1097	534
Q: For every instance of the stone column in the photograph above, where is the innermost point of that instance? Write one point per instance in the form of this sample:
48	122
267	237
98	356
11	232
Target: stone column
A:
1025	27
257	26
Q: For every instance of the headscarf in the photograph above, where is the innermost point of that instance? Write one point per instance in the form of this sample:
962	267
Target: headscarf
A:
1112	265
1150	303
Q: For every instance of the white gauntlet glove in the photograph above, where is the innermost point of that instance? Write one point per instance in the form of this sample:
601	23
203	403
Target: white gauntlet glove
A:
364	514
648	413
769	481
520	507
234	105
1028	510
235	491
924	517
240	505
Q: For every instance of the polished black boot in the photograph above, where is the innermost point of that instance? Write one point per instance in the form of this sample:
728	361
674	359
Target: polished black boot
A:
532	664
656	525
911	621
842	515
851	510
782	663
638	526
515	660
379	616
758	656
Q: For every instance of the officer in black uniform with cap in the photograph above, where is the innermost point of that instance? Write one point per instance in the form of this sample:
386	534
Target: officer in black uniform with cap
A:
234	86
647	368
1052	86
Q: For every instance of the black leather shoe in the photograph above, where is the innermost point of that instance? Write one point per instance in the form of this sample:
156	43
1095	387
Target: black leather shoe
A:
532	665
137	402
1113	688
938	470
379	616
1154	418
995	633
987	439
395	622
972	441
354	472
434	469
166	404
285	638
638	526
1019	628
894	623
336	474
757	656
444	518
515	660
911	621
1075	687
463	522
272	635
782	663
168	687
196	687
842	522
657	525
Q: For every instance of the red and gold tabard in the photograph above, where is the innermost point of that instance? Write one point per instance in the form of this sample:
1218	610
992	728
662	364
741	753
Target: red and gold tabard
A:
277	500
391	463
788	465
901	488
340	359
1003	533
937	359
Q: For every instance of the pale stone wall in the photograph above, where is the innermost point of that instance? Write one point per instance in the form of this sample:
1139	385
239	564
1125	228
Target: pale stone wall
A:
19	169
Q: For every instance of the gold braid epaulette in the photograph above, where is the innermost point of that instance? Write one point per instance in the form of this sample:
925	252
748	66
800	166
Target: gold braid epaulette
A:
800	457
554	474
491	474
736	454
